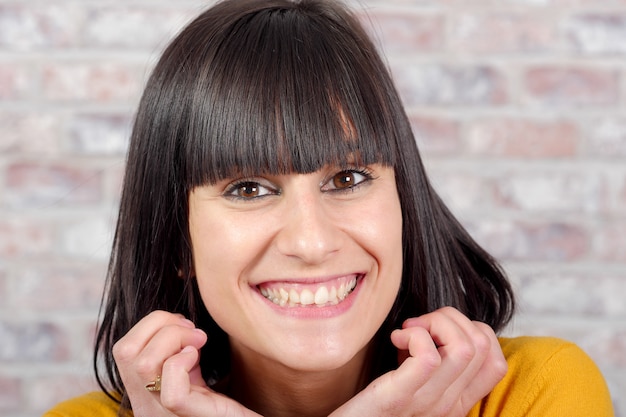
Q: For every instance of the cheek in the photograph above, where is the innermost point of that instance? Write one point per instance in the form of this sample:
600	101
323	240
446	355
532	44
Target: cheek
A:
383	230
222	250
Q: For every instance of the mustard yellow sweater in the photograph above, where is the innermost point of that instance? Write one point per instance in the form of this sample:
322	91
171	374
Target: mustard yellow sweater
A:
547	377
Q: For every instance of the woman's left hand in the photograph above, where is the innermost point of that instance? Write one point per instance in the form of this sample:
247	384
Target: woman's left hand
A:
447	364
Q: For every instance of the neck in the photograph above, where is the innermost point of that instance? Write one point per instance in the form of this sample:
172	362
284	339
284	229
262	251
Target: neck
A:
272	389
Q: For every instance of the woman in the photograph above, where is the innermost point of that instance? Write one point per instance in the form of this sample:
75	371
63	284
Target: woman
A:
279	250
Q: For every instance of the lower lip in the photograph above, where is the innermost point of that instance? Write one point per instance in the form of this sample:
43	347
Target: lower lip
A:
313	311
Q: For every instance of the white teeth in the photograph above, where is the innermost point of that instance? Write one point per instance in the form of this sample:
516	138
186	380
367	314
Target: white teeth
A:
341	293
306	297
322	296
332	297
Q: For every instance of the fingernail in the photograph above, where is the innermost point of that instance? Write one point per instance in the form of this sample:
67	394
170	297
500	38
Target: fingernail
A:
188	349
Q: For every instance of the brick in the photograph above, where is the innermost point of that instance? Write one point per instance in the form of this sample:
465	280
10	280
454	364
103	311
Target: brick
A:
555	191
16	81
10	394
610	241
86	339
622	195
29	26
22	237
64	288
32	185
597	33
617	386
4	288
599	4
464	191
523	241
131	27
34	133
92	81
516	33
47	390
567	294
604	344
404	32
436	135
99	134
448	85
87	238
113	182
32	342
607	137
519	138
572	86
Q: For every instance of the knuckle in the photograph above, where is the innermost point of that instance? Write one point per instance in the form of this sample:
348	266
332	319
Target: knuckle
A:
445	409
450	311
123	351
484	336
501	367
482	342
431	360
173	401
146	367
159	315
465	352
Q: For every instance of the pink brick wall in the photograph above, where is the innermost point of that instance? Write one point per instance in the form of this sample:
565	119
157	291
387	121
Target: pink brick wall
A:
519	107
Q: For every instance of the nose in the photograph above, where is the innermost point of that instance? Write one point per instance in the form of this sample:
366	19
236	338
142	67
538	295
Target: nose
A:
310	230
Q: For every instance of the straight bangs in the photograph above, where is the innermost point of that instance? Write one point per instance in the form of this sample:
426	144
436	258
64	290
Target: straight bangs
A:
287	89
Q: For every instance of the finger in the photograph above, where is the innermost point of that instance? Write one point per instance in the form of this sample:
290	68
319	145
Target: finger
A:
166	342
445	325
176	383
454	334
487	357
393	393
482	376
477	356
183	398
450	331
134	341
420	364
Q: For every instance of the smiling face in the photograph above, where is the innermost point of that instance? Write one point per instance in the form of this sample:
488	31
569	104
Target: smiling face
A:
299	269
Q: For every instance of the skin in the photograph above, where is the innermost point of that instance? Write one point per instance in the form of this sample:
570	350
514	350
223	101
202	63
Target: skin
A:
299	228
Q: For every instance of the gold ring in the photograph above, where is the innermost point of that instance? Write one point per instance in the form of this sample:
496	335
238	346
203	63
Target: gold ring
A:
154	386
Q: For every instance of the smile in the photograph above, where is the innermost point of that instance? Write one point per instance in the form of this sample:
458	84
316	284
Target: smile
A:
322	294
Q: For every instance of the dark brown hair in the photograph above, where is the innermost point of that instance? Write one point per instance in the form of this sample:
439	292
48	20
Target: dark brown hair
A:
275	86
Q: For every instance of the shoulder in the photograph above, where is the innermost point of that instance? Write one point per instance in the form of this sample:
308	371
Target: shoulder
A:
547	377
91	404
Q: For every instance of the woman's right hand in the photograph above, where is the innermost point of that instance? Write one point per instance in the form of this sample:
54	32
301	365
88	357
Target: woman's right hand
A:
167	345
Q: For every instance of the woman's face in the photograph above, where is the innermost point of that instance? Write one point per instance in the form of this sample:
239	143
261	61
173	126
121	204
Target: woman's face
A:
299	269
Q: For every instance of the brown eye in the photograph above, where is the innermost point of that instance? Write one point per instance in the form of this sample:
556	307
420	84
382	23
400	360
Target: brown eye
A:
248	190
344	180
347	180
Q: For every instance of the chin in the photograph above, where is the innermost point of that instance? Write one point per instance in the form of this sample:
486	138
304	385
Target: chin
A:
321	357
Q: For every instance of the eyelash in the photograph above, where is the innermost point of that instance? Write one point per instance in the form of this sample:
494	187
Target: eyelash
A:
231	190
365	172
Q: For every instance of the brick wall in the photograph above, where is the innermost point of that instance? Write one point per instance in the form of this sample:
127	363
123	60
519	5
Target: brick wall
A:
519	107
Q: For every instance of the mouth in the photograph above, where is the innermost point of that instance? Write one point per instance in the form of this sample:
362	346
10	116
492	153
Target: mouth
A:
319	294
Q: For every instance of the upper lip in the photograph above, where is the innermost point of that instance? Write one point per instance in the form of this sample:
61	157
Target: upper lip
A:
311	280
